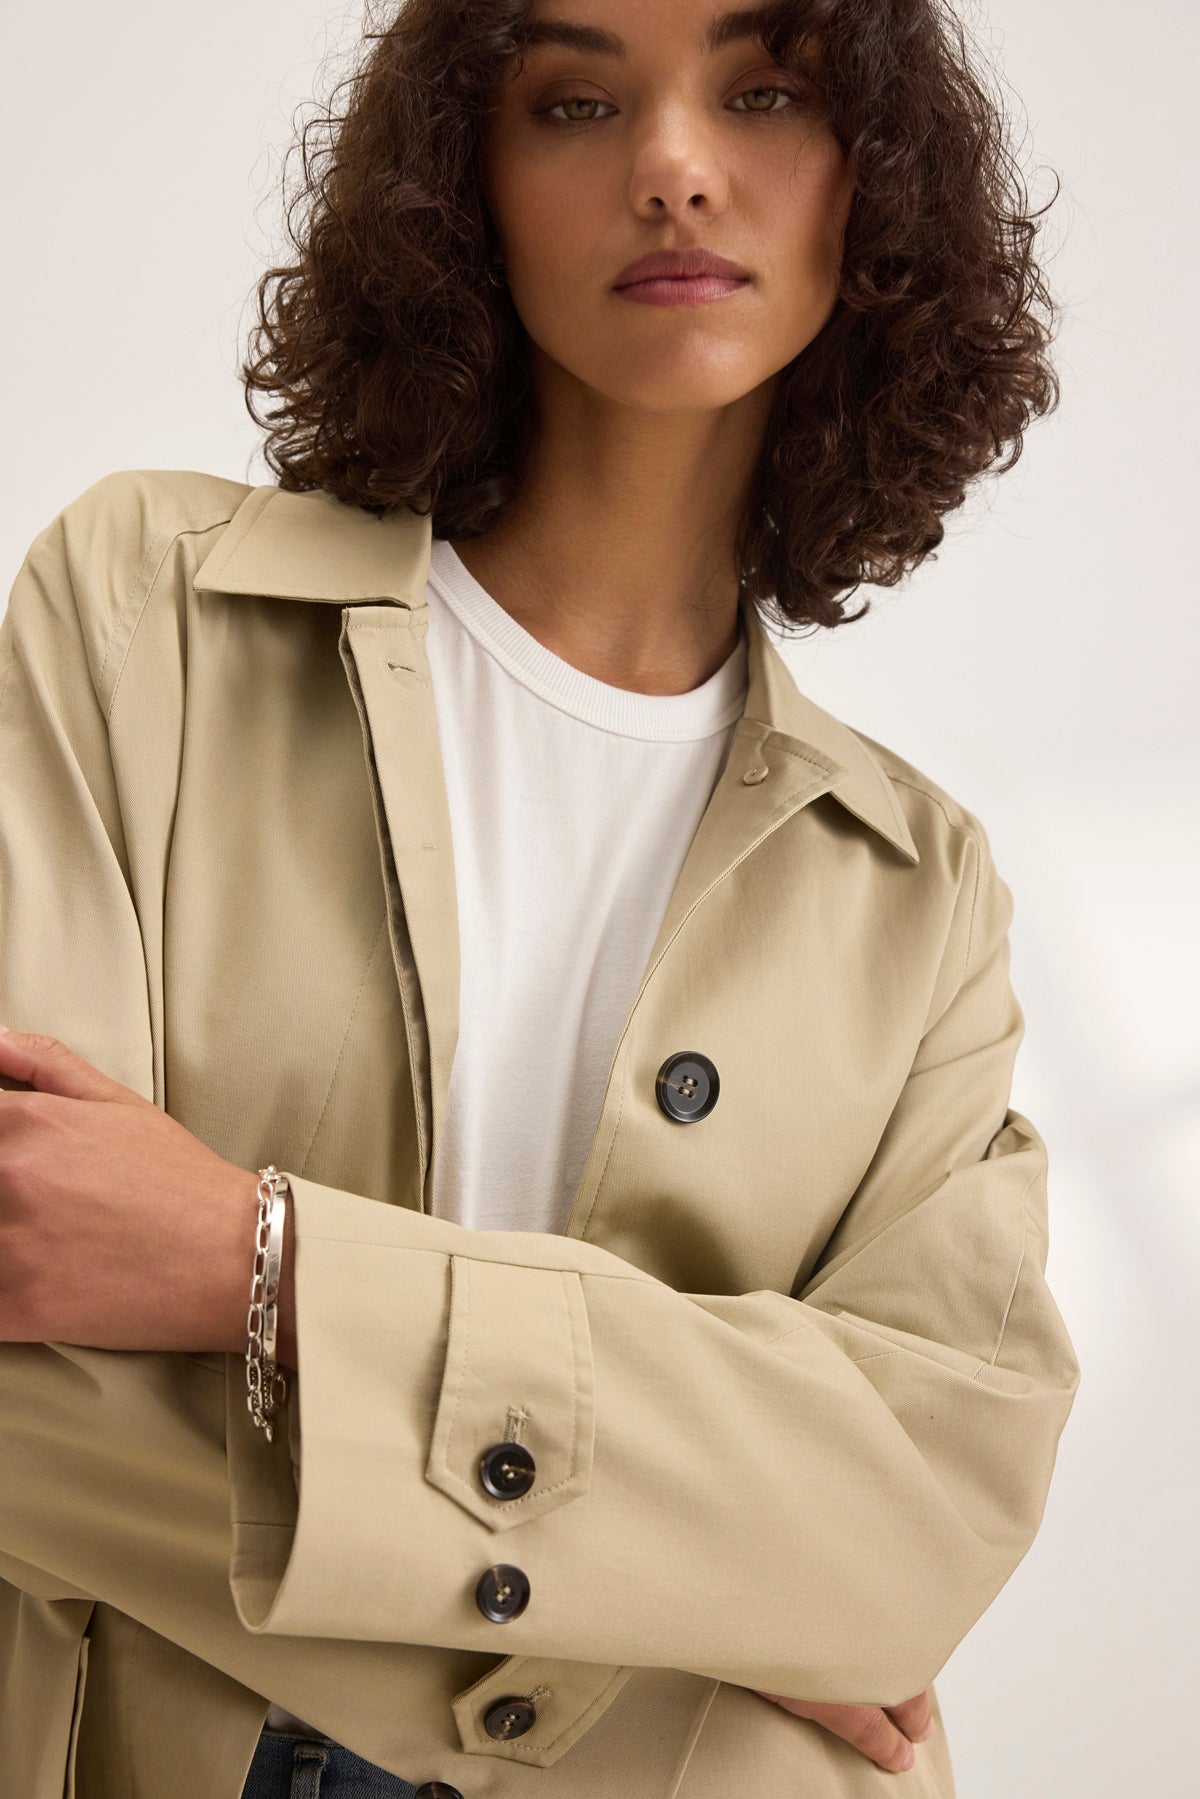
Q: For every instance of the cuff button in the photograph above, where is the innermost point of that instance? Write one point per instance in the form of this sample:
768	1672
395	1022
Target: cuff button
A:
509	1717
506	1470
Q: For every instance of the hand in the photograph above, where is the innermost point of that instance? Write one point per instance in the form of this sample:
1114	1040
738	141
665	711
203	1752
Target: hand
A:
118	1228
872	1729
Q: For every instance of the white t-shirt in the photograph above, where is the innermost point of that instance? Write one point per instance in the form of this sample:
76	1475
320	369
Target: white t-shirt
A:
572	806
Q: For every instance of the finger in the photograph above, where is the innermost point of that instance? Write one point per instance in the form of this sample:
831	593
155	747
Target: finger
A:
878	1738
49	1066
914	1717
867	1728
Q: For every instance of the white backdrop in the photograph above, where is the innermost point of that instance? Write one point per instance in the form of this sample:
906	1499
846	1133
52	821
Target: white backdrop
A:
1042	668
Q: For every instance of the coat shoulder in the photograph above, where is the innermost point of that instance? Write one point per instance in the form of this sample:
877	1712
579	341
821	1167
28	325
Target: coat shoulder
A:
934	815
133	509
93	565
956	859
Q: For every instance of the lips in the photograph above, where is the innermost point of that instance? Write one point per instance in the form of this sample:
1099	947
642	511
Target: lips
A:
680	265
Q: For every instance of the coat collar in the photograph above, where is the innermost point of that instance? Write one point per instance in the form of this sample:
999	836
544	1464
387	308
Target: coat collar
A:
313	546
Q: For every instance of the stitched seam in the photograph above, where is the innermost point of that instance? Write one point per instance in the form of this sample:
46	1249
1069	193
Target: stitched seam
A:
898	817
1017	1277
703	1708
528	1751
8	668
459	1372
398	606
564	1277
939	803
792	1331
991	1362
799	756
310	1236
525	1499
974	902
147	557
875	1355
316	1131
582	1717
612	1142
971	837
865	749
390	879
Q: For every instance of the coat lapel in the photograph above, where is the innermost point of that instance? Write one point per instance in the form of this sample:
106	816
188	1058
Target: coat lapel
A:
806	753
313	547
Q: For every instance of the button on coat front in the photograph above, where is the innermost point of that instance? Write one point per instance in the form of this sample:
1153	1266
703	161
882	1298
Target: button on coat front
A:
687	1086
226	879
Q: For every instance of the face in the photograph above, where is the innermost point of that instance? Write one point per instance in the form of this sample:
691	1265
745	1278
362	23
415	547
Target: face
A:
596	157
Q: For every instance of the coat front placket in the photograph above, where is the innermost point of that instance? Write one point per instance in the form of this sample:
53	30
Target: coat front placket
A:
383	651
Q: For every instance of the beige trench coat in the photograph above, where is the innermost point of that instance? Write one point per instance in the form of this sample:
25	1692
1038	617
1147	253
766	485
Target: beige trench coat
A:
792	1376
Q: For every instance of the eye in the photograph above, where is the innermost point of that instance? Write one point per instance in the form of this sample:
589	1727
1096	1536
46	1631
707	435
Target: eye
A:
548	112
764	87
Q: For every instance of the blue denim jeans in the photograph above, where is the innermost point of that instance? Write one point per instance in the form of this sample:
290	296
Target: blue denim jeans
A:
299	1767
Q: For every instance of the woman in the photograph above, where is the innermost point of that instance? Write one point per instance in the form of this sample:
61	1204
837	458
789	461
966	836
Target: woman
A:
440	827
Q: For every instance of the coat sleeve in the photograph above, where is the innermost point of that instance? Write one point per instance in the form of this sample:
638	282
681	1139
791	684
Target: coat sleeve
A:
816	1493
73	962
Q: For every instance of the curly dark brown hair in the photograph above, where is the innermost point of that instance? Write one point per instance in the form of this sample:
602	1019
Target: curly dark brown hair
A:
400	369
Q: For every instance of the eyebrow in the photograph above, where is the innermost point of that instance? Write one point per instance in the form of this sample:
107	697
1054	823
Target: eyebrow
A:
590	40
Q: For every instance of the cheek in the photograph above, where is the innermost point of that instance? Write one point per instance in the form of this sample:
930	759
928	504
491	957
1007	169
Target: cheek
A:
535	200
814	196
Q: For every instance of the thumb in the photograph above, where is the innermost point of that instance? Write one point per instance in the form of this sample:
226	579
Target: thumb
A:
49	1066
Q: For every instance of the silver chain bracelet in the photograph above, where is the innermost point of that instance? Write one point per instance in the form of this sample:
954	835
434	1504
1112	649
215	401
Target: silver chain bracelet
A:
266	1384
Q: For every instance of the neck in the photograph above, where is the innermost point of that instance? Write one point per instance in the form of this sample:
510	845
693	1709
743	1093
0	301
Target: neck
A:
617	552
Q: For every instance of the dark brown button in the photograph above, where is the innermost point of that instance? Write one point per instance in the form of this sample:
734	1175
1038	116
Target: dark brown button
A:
511	1716
437	1789
687	1086
506	1470
502	1592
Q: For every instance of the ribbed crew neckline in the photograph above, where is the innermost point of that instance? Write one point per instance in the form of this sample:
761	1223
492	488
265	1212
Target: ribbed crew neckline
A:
660	717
